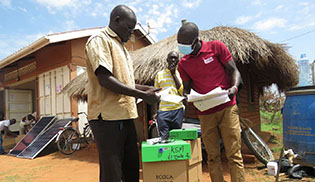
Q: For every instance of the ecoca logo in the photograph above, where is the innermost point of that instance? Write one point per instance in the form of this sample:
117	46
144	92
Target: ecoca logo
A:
164	176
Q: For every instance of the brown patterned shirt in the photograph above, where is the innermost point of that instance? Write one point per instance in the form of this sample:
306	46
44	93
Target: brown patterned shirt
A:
106	49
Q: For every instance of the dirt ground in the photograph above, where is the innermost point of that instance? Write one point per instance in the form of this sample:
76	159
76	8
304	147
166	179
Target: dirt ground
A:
82	166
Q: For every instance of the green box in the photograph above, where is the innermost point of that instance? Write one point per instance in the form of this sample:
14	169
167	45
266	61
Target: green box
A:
175	150
184	134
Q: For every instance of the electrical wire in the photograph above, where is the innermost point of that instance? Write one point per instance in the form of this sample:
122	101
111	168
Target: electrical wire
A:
300	35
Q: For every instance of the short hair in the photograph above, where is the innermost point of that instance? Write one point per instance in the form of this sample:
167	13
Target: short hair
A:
30	116
120	10
12	121
189	28
172	52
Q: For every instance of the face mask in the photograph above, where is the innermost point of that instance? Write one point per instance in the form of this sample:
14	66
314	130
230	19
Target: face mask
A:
185	49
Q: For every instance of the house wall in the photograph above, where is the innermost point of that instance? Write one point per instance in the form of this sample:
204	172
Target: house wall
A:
27	69
2	103
53	56
38	63
141	122
47	58
52	75
77	60
52	67
136	42
249	108
51	100
18	103
248	97
77	51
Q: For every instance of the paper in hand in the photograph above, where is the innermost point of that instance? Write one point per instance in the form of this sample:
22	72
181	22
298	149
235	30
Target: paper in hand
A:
165	96
209	100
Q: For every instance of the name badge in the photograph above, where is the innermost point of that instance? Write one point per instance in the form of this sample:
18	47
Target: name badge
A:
208	60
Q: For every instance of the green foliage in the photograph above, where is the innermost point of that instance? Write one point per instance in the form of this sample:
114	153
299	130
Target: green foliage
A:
268	116
275	128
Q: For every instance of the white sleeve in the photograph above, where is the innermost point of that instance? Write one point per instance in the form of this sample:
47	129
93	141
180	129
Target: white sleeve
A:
7	123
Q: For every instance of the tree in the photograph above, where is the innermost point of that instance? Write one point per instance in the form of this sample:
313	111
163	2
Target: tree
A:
271	101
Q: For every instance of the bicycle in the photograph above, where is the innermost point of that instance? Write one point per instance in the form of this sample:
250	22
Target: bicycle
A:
254	143
70	140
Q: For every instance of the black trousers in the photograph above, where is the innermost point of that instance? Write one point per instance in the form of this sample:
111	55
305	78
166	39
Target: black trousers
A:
117	149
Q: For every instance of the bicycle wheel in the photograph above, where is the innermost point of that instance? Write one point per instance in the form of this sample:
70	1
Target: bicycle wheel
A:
257	146
88	134
67	141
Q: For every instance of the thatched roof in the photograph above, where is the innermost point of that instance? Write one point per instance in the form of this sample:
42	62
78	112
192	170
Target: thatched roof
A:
263	61
77	87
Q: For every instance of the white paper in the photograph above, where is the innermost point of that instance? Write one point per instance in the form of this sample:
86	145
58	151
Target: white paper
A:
164	91
165	96
153	141
204	105
209	100
171	98
195	96
139	100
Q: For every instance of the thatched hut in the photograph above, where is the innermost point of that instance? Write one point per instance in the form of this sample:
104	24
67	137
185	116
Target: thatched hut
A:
260	62
267	62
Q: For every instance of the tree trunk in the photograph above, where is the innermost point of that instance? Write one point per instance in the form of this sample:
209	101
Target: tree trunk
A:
273	116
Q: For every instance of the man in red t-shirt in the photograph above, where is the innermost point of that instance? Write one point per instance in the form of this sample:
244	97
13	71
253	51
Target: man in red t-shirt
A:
205	66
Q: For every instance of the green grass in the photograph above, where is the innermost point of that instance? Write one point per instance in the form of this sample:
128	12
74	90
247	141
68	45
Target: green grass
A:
275	126
268	115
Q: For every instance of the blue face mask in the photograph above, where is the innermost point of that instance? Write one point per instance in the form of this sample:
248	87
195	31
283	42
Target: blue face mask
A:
185	49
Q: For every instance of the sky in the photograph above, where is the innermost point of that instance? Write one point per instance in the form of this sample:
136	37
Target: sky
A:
290	22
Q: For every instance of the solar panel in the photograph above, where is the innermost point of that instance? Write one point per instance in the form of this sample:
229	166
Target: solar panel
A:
39	127
44	139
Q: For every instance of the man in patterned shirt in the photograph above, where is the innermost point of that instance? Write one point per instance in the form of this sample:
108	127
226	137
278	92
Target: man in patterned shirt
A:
169	115
111	99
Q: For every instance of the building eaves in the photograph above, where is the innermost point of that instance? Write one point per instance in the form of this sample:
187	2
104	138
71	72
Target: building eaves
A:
46	40
58	37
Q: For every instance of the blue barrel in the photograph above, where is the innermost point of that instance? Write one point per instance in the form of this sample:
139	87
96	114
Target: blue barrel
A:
299	124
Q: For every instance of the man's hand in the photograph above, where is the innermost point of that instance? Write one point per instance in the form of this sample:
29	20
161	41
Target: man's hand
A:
150	95
153	89
185	100
172	68
232	91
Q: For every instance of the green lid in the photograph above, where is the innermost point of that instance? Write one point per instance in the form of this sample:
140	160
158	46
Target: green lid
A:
174	150
184	134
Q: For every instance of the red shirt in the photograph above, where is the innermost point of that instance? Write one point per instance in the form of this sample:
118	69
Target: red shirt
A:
206	70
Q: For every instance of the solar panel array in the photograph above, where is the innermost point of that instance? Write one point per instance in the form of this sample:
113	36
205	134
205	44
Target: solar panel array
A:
39	127
44	139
